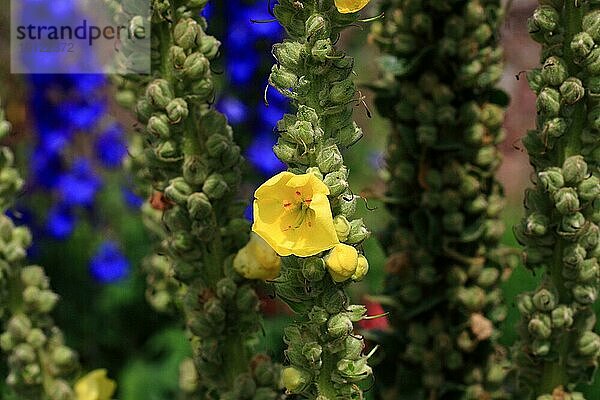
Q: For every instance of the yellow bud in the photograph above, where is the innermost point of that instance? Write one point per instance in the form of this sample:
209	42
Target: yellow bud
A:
95	386
342	262
257	260
350	6
361	269
294	379
342	227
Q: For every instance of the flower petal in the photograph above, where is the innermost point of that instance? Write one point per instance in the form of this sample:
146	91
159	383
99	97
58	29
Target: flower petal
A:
350	6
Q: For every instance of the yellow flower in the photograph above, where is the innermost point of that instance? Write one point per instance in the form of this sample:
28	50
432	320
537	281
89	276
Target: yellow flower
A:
257	260
342	262
95	386
292	214
350	6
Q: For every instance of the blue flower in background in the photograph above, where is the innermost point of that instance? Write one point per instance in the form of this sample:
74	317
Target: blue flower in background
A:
248	62
109	265
79	186
111	147
60	221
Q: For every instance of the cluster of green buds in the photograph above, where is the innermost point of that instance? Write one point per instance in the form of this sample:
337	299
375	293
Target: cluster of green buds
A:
560	230
440	63
189	163
40	364
326	358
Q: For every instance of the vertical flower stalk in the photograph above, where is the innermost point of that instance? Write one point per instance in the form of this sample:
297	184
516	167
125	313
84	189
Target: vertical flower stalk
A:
305	213
560	232
189	160
440	63
40	364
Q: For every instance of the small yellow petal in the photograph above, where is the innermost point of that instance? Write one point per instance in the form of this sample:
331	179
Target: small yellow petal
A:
95	386
350	6
272	187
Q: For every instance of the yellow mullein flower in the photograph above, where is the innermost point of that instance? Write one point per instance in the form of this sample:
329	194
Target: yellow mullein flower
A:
292	214
342	262
350	6
257	260
95	386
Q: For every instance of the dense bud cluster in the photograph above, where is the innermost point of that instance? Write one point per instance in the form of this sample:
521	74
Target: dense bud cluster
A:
560	230
39	361
440	63
326	359
189	165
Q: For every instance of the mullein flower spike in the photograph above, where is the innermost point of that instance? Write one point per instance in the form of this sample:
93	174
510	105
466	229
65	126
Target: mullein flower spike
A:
189	165
40	365
560	232
305	214
439	66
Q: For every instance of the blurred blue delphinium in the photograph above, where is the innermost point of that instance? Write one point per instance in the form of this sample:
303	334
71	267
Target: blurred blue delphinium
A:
108	264
249	37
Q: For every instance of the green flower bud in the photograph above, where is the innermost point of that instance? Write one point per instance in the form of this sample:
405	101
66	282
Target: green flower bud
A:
536	224
177	110
336	302
36	338
177	56
589	188
574	169
328	158
540	347
540	326
215	187
339	325
295	380
354	370
472	298
159	93
555	127
572	90
187	33
337	182
313	269
548	102
488	277
589	344
345	205
7	342
288	54
544	300
551	179
196	66
342	92
282	79
546	18
317	27
571	224
158	125
64	356
342	227
554	72
591	25
286	151
592	61
589	271
574	255
199	206
349	134
312	351
34	276
566	200
209	46
585	294
168	151
19	326
143	110
358	232
203	88
195	169
246	299
318	315
178	191
562	317
216	145
453	222
214	311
